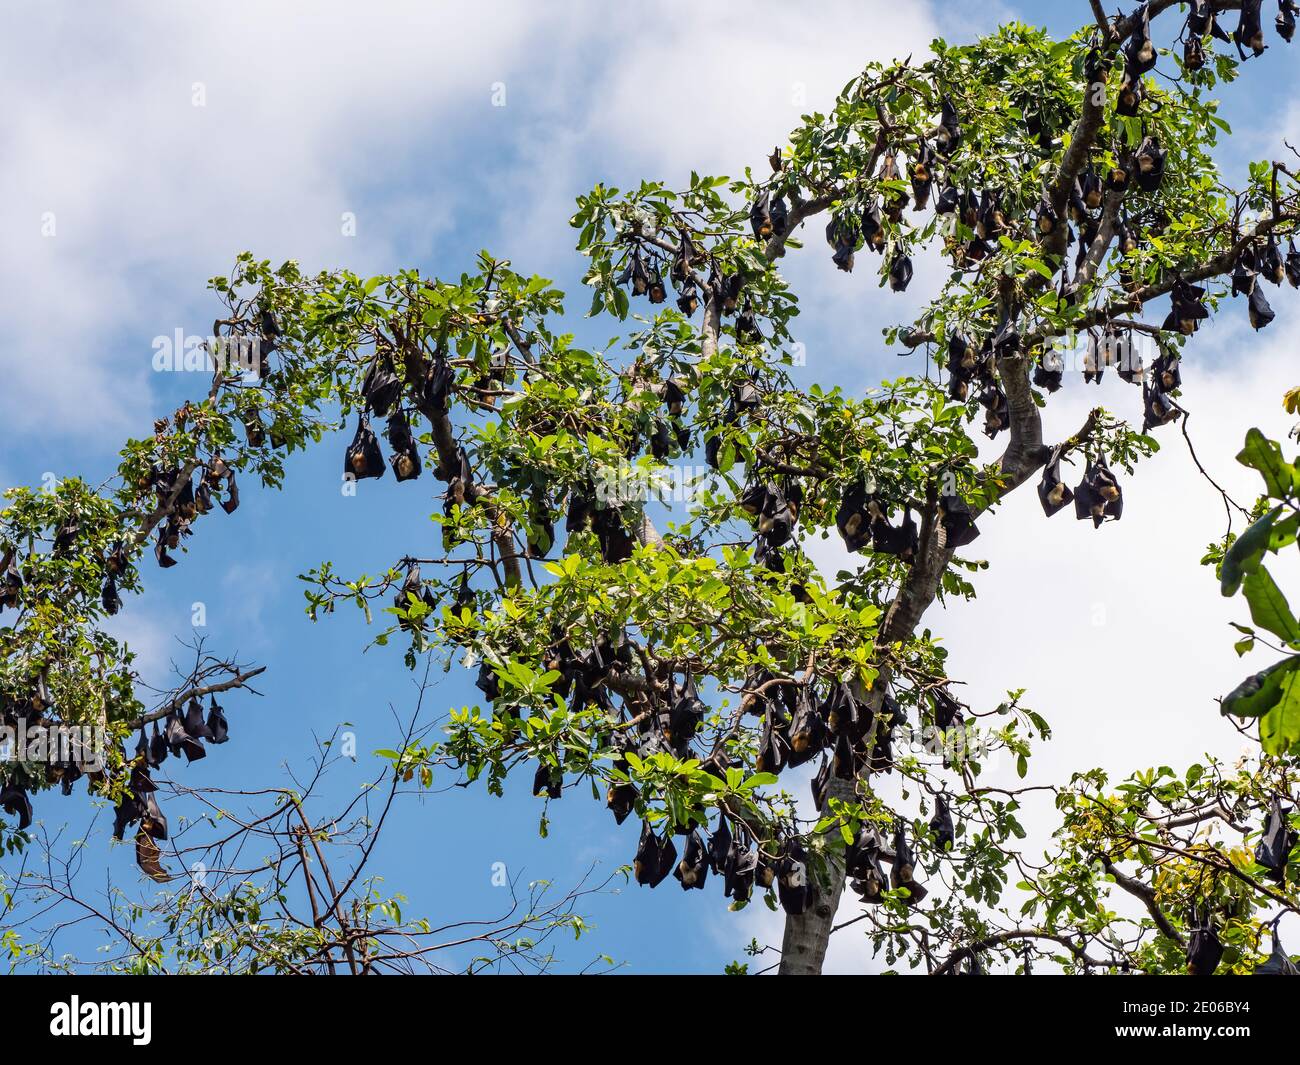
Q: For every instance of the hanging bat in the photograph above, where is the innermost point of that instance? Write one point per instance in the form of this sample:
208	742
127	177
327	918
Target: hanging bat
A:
997	410
921	174
1279	962
1150	160
945	834
1047	217
857	511
693	870
381	386
1140	50
773	748
109	599
1048	374
218	728
544	784
405	457
947	710
158	748
947	134
1259	311
720	846
148	857
738	878
747	330
895	200
1285	21
902	873
947	200
1158	409
842	236
807	733
1276	842
1250	31
655	857
873	232
16	803
1270	262
688	300
1204	950
1187	308
958	520
760	217
687	712
793	887
1098	495
901	540
363	458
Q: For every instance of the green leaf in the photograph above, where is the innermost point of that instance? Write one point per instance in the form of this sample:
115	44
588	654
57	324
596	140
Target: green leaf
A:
1265	455
1244	555
1269	608
1279	731
1258	694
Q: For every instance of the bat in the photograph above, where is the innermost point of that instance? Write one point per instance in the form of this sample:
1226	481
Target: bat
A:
381	386
1098	496
842	236
1285	21
544	784
687	711
894	200
109	599
654	858
900	272
688	300
157	748
1140	50
760	217
1187	308
793	887
941	825
958	520
1204	950
997	410
854	517
195	723
867	875
921	174
1150	159
719	851
1244	274
947	710
1131	91
901	540
1279	962
807	732
693	869
1258	309
1047	217
1157	408
773	747
363	458
148	856
1270	262
218	728
1166	372
902	873
747	331
488	682
15	801
1250	32
1048	371
405	457
1276	842
947	134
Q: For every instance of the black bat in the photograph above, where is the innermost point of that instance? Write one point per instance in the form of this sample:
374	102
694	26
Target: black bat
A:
1250	30
1098	496
15	802
109	599
1270	262
901	540
655	857
958	520
738	876
1157	408
218	727
546	784
900	272
760	217
1187	308
381	385
842	236
902	873
1204	951
947	134
1285	21
405	457
1277	841
794	888
947	710
807	733
1259	311
1131	91
1279	962
873	231
867	875
997	410
687	712
693	870
1150	160
363	458
1140	50
945	834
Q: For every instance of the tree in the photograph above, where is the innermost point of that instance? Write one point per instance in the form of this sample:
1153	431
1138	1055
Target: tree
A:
681	673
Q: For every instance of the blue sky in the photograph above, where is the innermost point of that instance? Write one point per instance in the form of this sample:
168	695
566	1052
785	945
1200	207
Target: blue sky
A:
310	112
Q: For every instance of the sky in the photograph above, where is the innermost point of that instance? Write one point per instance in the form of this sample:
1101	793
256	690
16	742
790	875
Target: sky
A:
154	142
